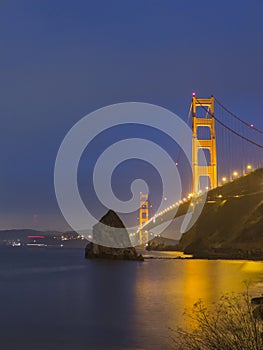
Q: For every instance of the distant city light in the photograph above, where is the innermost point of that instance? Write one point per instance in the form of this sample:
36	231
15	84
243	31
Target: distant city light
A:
165	198
207	188
224	179
249	166
235	173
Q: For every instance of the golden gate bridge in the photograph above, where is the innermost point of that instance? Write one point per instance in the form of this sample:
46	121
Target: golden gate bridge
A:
232	148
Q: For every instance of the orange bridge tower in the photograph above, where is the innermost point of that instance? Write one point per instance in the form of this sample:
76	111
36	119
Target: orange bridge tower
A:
144	217
204	120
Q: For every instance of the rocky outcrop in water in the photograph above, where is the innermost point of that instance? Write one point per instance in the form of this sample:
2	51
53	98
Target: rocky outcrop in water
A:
111	240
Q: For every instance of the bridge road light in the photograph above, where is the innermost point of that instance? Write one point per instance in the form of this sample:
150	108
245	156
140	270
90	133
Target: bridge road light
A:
235	174
224	179
249	167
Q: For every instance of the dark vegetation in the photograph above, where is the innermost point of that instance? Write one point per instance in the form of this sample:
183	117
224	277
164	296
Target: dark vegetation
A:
234	324
231	223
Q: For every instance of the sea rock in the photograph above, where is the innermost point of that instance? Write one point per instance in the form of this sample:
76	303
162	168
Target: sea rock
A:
111	240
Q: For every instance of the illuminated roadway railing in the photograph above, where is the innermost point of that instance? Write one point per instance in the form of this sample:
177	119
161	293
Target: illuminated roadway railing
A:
186	201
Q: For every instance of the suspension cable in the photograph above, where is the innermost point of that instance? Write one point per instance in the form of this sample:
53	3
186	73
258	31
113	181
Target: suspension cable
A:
230	129
188	122
236	117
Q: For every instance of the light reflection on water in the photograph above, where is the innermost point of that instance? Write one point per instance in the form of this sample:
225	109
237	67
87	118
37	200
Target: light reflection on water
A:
167	288
58	300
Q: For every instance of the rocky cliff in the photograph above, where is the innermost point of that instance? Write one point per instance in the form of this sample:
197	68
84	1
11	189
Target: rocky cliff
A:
231	224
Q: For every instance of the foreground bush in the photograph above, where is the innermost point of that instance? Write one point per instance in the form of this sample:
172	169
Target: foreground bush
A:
230	326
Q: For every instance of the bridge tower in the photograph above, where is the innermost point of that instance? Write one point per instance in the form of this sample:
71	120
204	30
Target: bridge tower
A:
206	105
144	217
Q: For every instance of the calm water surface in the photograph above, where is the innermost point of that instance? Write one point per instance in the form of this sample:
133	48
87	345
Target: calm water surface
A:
55	299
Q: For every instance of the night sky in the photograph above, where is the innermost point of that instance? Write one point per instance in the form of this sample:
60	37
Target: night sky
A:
60	60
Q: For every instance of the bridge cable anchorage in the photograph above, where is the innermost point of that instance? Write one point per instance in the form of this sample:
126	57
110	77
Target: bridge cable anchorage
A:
238	118
232	130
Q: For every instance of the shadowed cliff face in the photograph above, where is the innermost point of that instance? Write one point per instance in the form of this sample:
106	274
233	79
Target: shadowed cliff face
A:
111	219
112	240
231	224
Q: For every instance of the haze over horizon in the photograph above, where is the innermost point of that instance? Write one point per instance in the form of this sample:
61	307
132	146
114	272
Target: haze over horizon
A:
62	60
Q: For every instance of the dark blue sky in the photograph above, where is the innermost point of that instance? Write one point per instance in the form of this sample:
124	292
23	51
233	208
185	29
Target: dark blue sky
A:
60	60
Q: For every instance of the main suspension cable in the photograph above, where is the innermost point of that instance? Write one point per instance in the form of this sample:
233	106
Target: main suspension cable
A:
230	129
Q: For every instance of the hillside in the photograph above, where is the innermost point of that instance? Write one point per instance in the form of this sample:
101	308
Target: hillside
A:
162	244
231	224
24	237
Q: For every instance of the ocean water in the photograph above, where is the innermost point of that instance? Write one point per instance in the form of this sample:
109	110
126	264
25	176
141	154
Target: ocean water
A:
56	299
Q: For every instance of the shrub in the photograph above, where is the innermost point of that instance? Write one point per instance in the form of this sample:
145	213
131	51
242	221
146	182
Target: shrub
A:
231	325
